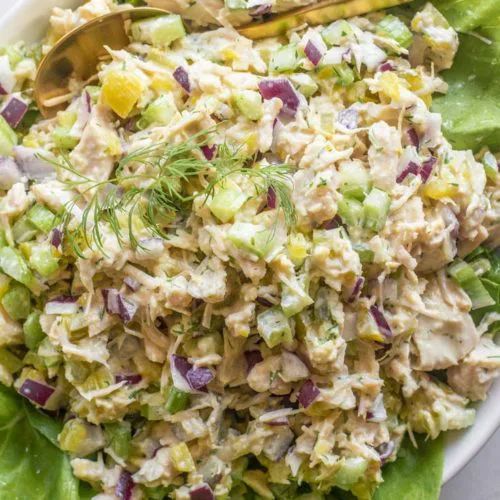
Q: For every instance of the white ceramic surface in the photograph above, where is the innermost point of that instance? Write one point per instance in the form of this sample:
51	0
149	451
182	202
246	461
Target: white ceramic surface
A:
27	20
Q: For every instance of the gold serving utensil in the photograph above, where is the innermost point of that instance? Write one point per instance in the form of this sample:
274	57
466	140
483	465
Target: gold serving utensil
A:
78	53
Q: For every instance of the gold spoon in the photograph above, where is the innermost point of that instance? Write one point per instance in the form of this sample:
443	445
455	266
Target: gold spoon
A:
78	53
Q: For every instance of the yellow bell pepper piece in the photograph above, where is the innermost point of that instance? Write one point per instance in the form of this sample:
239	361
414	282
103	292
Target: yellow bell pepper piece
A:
181	458
121	91
438	189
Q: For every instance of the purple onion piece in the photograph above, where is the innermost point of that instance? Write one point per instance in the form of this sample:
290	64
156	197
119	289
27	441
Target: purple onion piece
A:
385	450
348	118
356	291
124	486
308	393
9	173
313	53
32	164
387	66
131	284
129	379
56	237
2	90
201	492
88	101
209	151
332	223
382	324
260	10
64	304
115	303
411	168
14	111
282	89
271	197
127	309
426	170
110	296
413	137
198	378
252	358
377	412
182	78
264	302
36	391
278	421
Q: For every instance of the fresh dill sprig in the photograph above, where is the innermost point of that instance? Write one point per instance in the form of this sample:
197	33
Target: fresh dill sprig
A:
149	188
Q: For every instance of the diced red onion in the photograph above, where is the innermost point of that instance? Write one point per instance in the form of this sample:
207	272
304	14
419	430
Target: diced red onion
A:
56	237
36	391
209	151
252	358
387	66
64	304
188	378
411	168
356	291
131	283
129	379
199	377
264	302
2	90
385	450
382	324
377	412
308	393
312	52
282	89
88	101
124	486
260	10
201	492
348	118
32	164
413	137
9	173
182	78
332	223
151	247
426	170
271	197
116	303
278	421
14	111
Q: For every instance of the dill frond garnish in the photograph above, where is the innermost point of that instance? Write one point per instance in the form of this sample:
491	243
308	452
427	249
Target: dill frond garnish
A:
150	188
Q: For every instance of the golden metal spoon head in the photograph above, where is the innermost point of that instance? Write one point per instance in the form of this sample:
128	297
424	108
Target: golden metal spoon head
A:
78	53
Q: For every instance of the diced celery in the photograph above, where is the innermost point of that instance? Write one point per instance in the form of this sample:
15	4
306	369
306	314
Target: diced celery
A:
465	276
23	230
17	301
480	266
350	472
159	112
344	74
490	166
236	4
176	400
226	201
14	54
249	103
41	217
98	379
336	32
8	138
33	333
294	301
50	356
152	412
13	264
159	31
298	248
3	239
181	458
251	237
9	361
273	327
355	180
257	480
66	119
350	211
284	59
304	84
43	260
80	438
392	27
118	436
366	254
64	139
375	209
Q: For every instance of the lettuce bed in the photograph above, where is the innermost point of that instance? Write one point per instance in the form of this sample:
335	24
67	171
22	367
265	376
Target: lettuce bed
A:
33	467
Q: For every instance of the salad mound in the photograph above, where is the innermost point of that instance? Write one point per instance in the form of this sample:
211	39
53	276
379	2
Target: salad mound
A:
236	269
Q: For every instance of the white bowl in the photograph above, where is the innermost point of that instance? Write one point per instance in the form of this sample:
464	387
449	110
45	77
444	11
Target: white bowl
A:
27	20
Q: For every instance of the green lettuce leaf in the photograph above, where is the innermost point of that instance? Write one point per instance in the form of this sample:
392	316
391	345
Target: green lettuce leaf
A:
416	474
31	466
471	108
